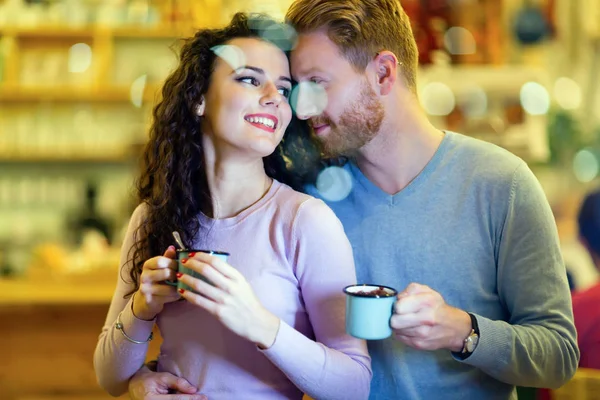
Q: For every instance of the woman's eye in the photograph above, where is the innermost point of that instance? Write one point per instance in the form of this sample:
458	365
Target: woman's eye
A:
249	79
318	81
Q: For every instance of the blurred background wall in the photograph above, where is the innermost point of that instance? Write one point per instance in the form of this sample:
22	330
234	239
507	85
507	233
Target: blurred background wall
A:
78	79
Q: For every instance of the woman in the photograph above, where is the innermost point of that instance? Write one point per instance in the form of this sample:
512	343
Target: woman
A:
272	326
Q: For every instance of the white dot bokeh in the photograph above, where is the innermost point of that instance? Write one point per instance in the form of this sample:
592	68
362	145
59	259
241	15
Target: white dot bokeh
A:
567	93
80	58
232	55
459	40
136	92
585	166
308	99
334	183
437	99
474	102
535	98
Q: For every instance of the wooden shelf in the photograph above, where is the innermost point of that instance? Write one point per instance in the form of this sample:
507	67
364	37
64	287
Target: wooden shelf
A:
68	159
153	33
62	31
9	94
25	292
47	32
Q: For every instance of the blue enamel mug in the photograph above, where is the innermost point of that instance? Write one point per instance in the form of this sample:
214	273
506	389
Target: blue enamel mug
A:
184	254
369	310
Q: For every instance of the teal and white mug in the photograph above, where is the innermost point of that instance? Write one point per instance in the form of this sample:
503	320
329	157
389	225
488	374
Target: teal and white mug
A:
369	310
181	267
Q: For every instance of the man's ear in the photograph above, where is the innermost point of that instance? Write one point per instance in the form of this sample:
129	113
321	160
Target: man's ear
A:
386	67
200	107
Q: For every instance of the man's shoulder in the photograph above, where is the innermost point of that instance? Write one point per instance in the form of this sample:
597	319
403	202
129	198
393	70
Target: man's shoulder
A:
485	153
484	161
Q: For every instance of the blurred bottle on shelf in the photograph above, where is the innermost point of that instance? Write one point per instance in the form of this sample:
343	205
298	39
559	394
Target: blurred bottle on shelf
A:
89	219
16	251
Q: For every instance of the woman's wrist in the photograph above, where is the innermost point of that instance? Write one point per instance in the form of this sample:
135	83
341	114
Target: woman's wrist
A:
267	330
141	311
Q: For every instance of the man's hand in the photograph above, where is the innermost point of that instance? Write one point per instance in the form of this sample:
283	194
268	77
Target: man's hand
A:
148	385
423	320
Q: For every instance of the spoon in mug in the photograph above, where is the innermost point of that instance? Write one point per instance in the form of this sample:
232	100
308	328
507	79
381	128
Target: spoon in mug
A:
178	240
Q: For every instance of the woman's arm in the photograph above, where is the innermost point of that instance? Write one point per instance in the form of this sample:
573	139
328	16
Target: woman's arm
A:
336	366
116	359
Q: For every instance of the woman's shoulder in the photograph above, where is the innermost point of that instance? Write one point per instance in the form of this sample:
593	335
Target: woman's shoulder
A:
139	214
293	199
305	210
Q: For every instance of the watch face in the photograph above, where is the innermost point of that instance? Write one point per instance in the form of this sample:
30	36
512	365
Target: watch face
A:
472	343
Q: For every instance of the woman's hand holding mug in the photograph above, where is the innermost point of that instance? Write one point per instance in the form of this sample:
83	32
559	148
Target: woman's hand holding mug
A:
153	294
229	298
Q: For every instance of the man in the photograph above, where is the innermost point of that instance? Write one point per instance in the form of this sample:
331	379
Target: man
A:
461	225
586	303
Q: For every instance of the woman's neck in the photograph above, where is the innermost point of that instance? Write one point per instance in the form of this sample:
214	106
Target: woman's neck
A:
235	183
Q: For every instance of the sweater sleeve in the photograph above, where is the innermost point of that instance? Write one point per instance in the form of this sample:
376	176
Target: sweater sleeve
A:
116	359
336	365
537	346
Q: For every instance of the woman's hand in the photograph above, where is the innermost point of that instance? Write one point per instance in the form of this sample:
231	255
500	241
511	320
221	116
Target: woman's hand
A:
230	299
153	294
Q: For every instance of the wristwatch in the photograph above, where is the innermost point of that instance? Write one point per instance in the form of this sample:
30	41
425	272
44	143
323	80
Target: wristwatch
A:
471	341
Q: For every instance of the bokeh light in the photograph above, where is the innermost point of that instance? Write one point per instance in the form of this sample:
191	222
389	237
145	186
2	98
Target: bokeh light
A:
334	183
80	58
232	55
567	93
585	166
282	35
437	99
535	98
474	102
136	93
308	99
459	40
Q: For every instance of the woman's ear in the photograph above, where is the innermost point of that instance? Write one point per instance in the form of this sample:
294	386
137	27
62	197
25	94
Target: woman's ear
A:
200	107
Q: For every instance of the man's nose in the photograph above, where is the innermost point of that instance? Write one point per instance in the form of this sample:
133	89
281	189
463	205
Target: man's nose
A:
310	101
306	108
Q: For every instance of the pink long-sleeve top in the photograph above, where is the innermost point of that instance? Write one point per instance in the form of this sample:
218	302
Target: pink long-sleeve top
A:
293	251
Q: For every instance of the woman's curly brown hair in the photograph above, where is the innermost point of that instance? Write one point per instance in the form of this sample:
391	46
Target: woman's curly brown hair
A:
173	183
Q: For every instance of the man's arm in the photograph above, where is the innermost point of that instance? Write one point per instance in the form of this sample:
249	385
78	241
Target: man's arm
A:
537	346
149	385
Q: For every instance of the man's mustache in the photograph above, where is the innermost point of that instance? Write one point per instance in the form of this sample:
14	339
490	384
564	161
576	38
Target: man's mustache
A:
320	121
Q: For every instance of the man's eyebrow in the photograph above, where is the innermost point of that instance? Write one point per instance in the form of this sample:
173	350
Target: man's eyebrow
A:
313	70
260	71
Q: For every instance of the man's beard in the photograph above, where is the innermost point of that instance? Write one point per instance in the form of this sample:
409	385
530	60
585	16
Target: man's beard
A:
358	125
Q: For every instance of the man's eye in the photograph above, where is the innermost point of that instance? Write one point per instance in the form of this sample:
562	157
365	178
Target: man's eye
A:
285	92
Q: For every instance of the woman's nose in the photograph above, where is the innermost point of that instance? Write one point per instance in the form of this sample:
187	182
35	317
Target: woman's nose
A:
271	96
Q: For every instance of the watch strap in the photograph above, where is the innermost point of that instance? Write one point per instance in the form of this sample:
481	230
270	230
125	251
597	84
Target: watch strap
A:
474	330
474	324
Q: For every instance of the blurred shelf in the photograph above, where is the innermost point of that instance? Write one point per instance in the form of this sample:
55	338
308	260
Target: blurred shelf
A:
23	292
152	33
72	94
47	32
65	159
42	32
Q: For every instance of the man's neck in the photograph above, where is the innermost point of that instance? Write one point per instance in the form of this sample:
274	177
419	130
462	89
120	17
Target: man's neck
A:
398	154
